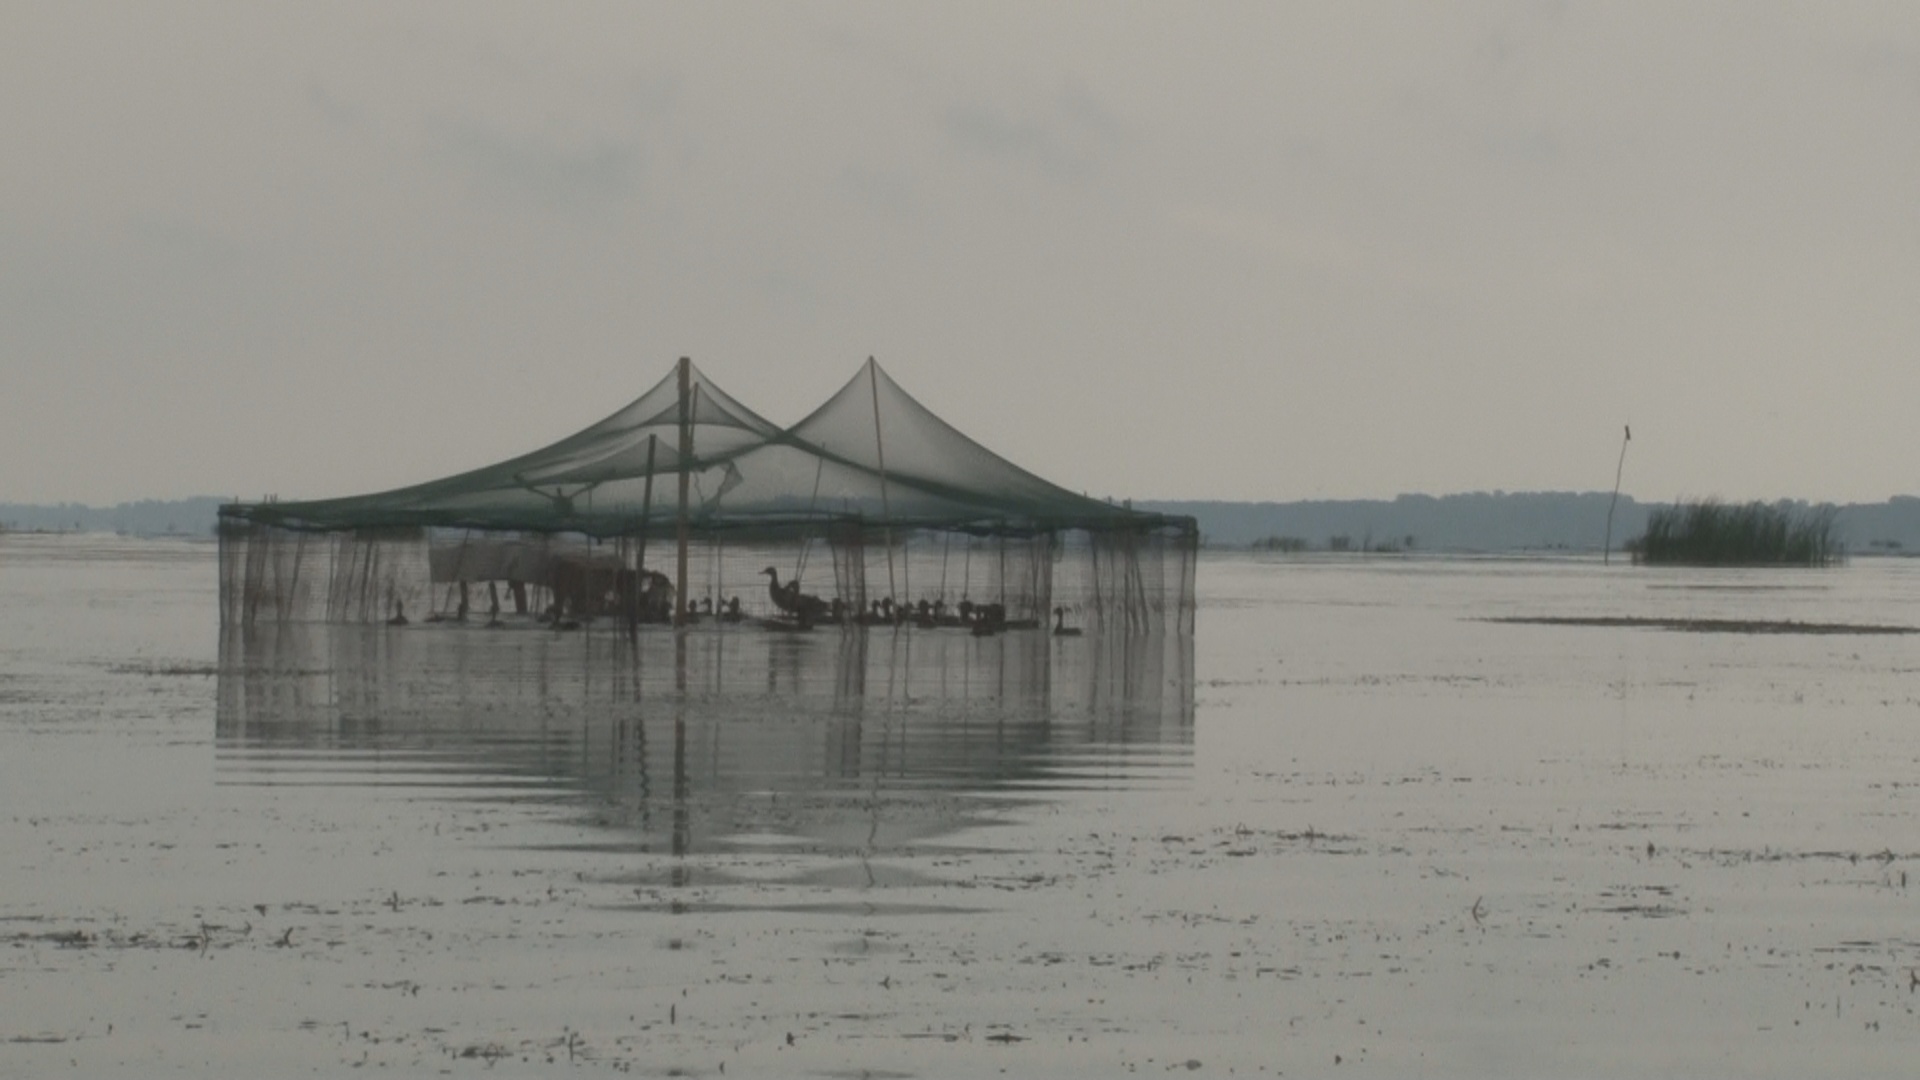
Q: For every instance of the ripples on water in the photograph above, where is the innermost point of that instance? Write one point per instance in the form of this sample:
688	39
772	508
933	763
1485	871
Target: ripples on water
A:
719	738
1406	835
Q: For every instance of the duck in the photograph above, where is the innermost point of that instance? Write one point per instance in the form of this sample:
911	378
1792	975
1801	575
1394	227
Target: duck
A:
781	595
788	598
992	615
1060	627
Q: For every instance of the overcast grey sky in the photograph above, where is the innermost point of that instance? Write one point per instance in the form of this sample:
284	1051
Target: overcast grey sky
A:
1262	251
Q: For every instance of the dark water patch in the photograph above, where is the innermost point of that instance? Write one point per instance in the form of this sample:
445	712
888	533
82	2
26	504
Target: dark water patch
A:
860	875
851	907
1707	626
1743	588
870	943
1648	911
156	670
1734	857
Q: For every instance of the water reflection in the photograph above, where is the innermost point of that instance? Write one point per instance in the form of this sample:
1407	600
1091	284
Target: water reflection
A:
717	738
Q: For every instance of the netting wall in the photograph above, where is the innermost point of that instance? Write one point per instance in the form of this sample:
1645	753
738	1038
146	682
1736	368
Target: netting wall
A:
1131	581
1134	580
270	574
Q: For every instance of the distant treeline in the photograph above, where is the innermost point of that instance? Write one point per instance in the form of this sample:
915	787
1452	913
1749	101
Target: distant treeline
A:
149	517
1480	521
1494	521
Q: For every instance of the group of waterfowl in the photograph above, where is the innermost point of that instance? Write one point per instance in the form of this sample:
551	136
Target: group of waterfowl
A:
799	610
983	620
703	608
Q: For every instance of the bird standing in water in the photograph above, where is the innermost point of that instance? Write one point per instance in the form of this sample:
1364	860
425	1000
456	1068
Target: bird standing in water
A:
790	599
1060	627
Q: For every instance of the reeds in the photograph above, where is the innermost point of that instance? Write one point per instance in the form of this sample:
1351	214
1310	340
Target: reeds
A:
1708	532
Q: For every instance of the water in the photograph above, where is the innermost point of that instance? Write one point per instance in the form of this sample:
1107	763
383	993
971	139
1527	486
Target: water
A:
1353	823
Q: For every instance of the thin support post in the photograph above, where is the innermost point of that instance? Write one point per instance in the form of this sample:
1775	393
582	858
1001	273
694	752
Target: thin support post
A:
946	552
686	462
1002	601
1606	552
640	555
880	449
806	541
646	500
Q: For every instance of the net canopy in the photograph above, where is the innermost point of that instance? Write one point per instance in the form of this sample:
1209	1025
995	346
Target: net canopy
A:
871	455
872	479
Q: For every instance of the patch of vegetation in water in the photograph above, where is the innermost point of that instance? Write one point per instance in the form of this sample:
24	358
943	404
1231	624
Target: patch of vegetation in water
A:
1708	532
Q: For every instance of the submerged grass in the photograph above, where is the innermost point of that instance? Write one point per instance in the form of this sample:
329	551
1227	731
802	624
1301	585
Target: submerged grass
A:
1708	532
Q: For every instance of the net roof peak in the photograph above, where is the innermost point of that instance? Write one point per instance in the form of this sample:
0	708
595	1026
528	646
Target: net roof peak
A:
870	454
873	424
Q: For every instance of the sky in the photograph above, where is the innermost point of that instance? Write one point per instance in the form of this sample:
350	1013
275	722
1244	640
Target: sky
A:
1230	251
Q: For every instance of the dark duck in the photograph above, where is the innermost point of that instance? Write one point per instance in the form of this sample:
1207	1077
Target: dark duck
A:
789	599
1060	627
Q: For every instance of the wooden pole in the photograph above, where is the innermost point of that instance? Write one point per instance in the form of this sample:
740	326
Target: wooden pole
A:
646	498
806	542
880	448
1606	553
640	556
686	461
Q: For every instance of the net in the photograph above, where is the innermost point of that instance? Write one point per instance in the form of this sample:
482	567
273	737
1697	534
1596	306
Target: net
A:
870	509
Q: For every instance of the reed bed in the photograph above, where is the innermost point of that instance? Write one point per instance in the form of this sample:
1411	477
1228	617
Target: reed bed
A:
1708	532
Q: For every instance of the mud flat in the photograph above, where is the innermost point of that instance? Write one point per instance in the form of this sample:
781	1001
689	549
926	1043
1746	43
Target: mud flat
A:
1365	829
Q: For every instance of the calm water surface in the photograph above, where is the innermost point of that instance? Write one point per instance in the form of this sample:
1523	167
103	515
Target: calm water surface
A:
1354	824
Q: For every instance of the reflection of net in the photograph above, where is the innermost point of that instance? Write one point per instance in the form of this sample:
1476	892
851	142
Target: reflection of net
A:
718	727
870	500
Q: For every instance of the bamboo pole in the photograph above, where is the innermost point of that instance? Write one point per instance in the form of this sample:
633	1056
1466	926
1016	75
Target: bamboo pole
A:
806	540
646	500
1606	553
880	448
640	555
686	461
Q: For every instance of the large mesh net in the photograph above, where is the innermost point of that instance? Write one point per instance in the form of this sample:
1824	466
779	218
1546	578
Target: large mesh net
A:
870	510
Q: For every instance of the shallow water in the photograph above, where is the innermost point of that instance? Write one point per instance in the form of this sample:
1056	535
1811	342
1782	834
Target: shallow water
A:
1352	823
